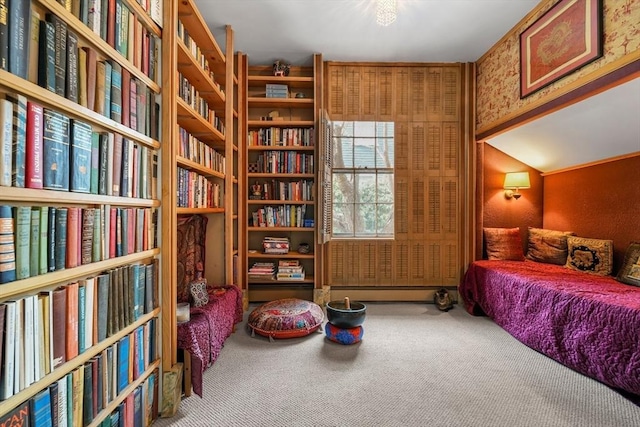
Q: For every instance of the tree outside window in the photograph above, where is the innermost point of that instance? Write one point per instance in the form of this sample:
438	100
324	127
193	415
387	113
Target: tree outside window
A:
362	179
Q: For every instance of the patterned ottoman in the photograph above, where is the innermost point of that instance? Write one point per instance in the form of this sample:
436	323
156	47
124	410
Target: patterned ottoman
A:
286	318
345	336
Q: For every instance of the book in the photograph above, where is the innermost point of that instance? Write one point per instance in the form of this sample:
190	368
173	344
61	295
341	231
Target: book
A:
116	92
8	357
55	150
3	309
19	23
102	306
46	56
91	76
43	242
55	404
33	145
123	363
60	241
73	237
82	317
82	77
117	162
40	409
100	85
22	238
87	402
60	52
80	147
6	142
108	75
86	238
95	162
71	335
103	152
34	242
29	307
45	299
59	326
94	15
90	297
7	245
51	239
96	252
63	402
19	139
77	395
126	97
71	79
34	45
127	167
18	361
4	35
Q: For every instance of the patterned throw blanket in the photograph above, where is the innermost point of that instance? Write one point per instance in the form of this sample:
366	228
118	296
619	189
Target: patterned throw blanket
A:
588	323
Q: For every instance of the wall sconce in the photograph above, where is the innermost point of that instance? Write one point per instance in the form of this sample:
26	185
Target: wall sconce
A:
514	181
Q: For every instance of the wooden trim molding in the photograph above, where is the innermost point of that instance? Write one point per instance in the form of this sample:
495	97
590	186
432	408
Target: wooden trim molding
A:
594	163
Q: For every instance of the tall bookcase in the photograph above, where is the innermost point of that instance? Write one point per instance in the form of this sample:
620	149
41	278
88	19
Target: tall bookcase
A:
200	116
108	329
280	191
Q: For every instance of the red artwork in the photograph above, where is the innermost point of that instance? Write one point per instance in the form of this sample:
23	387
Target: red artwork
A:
564	39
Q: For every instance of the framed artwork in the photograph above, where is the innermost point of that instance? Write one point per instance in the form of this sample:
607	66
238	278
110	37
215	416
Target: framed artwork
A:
567	37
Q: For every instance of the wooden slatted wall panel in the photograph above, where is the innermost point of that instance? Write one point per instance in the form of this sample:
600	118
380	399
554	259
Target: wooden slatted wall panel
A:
352	84
425	104
369	94
384	263
368	267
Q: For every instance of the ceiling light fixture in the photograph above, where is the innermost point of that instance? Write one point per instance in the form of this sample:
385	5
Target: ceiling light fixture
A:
386	12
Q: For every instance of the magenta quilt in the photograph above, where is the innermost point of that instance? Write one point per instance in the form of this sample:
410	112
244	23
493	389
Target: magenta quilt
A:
588	323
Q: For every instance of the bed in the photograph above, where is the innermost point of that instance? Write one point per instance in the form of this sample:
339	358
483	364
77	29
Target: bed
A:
587	322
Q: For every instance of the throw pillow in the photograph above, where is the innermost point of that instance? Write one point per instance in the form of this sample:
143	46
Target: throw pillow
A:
594	256
630	271
548	246
503	243
199	294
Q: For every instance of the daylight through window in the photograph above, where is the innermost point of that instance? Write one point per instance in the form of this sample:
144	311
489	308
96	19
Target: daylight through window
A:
362	179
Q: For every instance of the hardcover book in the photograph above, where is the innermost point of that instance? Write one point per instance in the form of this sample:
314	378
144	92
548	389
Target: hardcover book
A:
60	52
19	22
40	409
116	92
22	218
71	80
34	45
34	242
73	237
80	173
91	75
87	402
7	246
55	150
43	242
103	152
6	143
7	378
123	363
95	162
82	77
46	56
72	321
33	148
19	139
102	307
4	36
59	326
86	251
60	240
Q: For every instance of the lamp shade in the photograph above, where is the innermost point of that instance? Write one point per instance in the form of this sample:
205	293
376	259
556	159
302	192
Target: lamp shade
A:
513	180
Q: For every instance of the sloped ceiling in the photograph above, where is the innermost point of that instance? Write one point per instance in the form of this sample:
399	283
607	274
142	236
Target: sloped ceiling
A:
601	127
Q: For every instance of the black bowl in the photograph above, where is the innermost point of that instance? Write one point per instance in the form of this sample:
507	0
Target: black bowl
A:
342	317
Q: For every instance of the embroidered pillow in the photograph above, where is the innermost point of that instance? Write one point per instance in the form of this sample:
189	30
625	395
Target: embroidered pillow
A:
630	271
199	294
593	256
548	246
503	243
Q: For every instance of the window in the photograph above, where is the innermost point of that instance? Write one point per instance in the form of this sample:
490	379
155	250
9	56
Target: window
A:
362	179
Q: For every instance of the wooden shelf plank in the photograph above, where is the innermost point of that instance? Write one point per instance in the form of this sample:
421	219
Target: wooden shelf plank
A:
289	255
280	148
36	283
202	170
280	202
291	81
195	124
280	175
280	102
269	229
53	197
279	123
187	211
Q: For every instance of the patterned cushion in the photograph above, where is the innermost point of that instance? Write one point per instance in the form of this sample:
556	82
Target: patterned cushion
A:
630	271
503	243
594	256
548	246
199	295
286	318
344	336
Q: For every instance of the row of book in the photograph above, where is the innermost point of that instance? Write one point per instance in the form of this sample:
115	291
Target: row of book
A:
78	398
285	162
275	245
43	148
279	216
189	94
262	271
197	151
41	332
196	51
284	190
196	191
274	90
42	239
282	137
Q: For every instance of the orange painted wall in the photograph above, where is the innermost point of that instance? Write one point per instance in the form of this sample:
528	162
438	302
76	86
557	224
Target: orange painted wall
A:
497	211
600	201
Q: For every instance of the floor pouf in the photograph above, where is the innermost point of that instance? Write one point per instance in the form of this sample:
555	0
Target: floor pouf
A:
345	336
286	318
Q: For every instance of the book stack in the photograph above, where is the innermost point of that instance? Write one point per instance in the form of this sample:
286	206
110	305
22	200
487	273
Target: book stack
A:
277	91
275	245
262	270
290	270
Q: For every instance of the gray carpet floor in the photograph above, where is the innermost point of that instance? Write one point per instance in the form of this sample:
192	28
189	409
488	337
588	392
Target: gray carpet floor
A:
416	366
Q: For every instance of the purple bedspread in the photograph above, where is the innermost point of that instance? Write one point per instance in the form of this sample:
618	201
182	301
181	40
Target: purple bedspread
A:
204	335
588	323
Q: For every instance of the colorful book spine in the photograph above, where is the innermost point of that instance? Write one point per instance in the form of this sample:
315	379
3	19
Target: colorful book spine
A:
22	217
33	149
7	246
60	52
6	143
55	150
80	161
19	22
46	56
19	139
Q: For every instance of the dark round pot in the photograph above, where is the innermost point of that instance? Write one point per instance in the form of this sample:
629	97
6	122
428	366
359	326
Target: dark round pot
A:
342	317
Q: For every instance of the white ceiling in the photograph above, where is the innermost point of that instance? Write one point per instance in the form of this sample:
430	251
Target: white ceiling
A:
603	126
